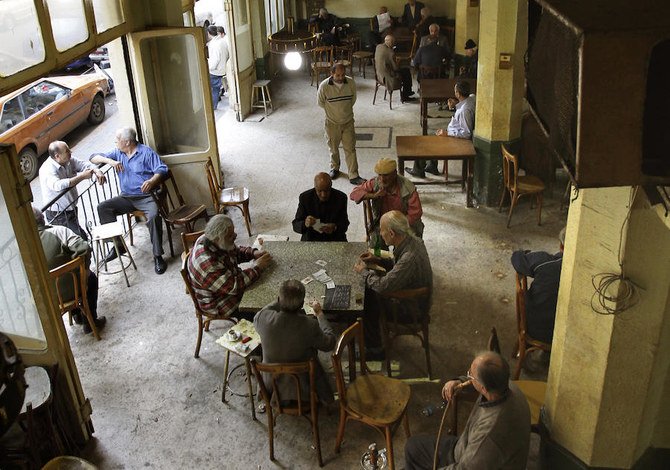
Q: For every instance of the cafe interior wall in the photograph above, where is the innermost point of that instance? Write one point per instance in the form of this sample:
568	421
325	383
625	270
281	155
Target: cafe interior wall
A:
358	9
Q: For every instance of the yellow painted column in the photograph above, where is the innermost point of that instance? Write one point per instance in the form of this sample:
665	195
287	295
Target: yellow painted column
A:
500	89
608	382
467	24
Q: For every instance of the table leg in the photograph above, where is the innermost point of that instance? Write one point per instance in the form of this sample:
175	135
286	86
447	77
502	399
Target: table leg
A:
251	392
401	166
424	116
225	378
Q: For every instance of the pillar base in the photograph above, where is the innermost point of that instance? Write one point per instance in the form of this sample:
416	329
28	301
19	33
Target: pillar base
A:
488	179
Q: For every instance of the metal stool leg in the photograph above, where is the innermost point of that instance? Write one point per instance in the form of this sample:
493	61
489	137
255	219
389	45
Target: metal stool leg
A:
225	377
251	392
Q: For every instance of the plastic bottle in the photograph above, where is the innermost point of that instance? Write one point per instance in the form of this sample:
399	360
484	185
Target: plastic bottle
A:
378	247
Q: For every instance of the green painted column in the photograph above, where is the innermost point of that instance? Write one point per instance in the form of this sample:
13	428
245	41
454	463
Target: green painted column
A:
500	90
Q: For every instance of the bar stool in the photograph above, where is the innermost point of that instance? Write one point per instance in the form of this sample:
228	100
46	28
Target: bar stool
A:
263	86
111	232
364	58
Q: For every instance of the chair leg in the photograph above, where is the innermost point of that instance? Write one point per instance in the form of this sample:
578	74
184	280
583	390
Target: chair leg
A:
502	195
247	217
539	208
391	99
519	365
514	198
271	430
197	344
389	447
169	233
91	322
340	429
405	424
374	97
315	433
225	377
130	229
426	347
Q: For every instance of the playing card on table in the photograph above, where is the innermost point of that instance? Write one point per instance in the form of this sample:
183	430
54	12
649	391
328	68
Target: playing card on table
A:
307	280
321	263
322	276
330	284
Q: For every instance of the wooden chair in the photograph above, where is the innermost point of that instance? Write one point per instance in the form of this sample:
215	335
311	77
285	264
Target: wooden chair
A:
302	406
174	210
228	197
74	272
405	58
382	83
344	56
428	72
322	61
203	317
187	242
368	219
363	58
378	401
525	343
405	314
518	186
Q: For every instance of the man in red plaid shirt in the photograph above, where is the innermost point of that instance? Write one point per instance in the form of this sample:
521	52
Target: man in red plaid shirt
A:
213	268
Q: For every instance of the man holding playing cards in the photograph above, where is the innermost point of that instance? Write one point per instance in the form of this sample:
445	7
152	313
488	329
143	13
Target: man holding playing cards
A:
322	212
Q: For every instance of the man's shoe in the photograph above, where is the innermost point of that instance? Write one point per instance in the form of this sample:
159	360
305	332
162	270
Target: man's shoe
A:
334	174
358	180
416	174
99	324
432	170
77	317
159	265
112	253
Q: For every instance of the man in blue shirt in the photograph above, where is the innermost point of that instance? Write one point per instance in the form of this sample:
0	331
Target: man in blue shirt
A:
140	171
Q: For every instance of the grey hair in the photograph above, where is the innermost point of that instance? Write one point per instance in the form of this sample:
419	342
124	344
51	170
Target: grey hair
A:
291	295
39	217
397	221
561	236
493	372
322	10
218	227
127	133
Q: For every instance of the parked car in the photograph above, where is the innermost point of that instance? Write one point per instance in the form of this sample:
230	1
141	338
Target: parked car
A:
48	109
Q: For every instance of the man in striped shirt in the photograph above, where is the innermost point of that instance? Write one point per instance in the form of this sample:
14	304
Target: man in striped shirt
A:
214	271
337	95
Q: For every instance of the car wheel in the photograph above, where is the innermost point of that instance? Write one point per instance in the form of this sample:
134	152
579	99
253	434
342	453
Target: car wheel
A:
97	114
28	163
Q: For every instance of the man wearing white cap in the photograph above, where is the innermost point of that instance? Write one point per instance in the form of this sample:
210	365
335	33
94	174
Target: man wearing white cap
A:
390	191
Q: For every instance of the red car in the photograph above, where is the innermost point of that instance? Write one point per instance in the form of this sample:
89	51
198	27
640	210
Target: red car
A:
48	109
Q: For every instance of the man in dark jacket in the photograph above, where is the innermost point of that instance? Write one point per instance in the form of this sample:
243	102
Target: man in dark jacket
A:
322	212
411	14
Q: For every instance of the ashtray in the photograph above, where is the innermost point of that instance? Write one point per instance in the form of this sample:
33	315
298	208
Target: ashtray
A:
233	335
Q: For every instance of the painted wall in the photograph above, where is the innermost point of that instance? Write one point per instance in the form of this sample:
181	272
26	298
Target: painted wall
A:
359	9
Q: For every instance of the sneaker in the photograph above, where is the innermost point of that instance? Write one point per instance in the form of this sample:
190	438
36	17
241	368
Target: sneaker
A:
159	265
358	180
414	173
334	174
100	323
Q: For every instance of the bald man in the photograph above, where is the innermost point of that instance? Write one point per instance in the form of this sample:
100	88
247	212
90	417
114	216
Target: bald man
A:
497	434
59	172
322	212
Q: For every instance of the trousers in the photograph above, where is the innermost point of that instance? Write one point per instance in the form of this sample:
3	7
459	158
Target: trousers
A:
345	133
111	208
67	219
420	451
215	82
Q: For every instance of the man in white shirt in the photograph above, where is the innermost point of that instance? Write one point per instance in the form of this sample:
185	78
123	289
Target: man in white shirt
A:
218	56
463	122
381	24
59	172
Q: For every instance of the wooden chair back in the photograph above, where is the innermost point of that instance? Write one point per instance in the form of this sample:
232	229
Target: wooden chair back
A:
322	61
510	169
350	338
276	405
517	186
368	219
214	185
426	71
75	274
525	343
228	197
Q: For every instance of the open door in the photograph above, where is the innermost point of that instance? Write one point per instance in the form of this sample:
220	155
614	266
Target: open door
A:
243	70
171	83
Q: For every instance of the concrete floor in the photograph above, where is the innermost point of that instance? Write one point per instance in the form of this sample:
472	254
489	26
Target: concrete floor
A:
156	406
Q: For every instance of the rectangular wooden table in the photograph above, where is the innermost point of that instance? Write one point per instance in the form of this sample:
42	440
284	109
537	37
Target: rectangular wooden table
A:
432	147
438	91
297	260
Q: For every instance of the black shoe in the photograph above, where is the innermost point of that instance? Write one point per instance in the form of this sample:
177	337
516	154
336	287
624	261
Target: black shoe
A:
416	174
99	324
78	318
112	253
334	174
432	170
358	180
159	265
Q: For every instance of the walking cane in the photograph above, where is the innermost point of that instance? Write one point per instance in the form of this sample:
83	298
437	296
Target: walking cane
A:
457	389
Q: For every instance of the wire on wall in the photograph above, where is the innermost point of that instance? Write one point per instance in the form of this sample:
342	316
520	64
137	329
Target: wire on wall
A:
615	293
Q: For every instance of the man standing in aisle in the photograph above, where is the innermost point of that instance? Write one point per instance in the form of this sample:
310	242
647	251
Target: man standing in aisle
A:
218	56
337	95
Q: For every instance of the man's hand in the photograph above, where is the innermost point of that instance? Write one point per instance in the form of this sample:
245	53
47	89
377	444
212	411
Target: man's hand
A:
118	166
451	103
258	254
264	261
86	174
147	186
461	70
441	132
328	228
102	179
309	221
368	257
378	194
316	306
448	389
359	267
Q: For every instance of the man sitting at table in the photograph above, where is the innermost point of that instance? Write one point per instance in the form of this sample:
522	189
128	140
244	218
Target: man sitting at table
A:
409	269
322	212
382	25
461	125
388	71
389	191
288	334
216	277
431	54
441	39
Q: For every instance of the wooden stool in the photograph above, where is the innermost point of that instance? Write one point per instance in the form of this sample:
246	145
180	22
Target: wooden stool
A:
111	232
364	58
263	86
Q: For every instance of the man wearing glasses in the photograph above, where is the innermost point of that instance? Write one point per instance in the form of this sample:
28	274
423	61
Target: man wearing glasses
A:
497	434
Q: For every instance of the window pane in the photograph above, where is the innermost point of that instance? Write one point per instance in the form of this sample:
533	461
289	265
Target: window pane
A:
18	313
108	13
68	22
171	69
21	43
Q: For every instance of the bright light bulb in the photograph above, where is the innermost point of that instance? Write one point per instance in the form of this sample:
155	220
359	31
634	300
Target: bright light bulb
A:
293	61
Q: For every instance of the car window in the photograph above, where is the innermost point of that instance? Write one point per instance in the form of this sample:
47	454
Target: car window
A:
11	114
41	95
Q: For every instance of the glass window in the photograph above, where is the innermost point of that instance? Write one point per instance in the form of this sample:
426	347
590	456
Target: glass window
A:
21	43
68	22
171	68
108	13
11	114
18	313
41	95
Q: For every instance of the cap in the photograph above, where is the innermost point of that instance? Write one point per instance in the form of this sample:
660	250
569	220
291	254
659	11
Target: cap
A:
470	44
385	166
